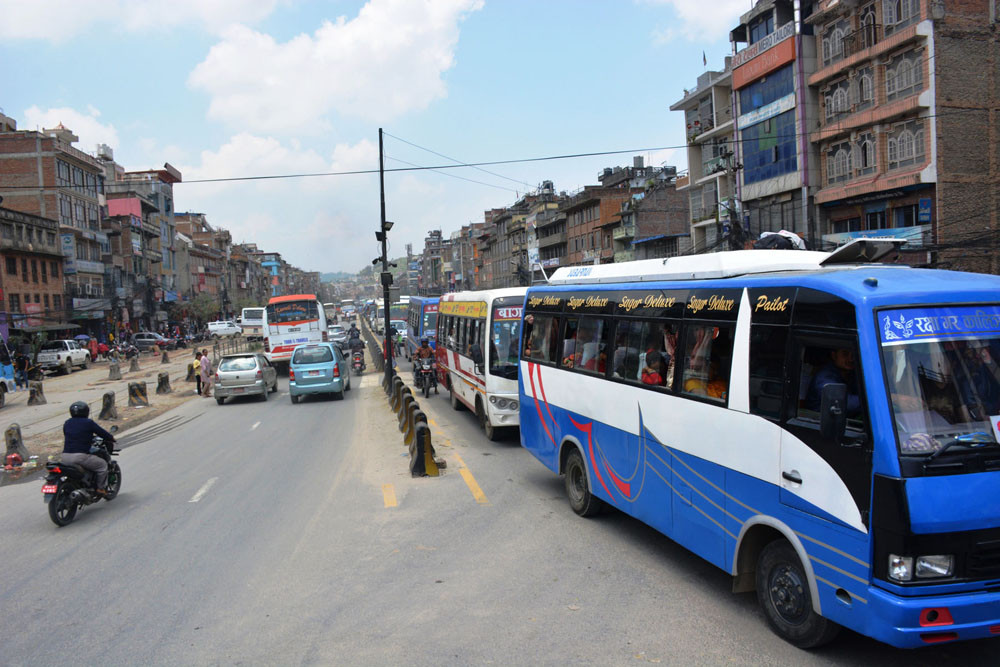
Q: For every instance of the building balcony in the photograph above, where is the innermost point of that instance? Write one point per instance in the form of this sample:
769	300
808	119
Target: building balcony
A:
623	232
552	239
25	246
879	47
682	181
624	255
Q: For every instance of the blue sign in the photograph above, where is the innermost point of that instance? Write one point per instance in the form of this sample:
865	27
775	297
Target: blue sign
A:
923	211
906	325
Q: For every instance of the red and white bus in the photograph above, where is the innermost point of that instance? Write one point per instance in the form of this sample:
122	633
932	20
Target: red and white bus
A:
489	320
290	321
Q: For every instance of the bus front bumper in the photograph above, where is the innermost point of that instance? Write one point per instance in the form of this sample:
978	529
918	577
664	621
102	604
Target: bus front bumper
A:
913	622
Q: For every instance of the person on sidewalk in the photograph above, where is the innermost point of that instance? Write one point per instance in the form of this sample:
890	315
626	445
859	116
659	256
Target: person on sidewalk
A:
197	371
206	374
78	432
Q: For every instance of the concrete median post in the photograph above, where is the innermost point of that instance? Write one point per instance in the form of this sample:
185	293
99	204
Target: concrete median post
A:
397	395
15	442
36	395
137	396
190	374
133	366
401	416
422	463
108	409
415	416
163	383
114	370
165	359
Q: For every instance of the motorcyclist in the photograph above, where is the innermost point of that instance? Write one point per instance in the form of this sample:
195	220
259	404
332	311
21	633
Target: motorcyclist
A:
79	431
423	352
355	344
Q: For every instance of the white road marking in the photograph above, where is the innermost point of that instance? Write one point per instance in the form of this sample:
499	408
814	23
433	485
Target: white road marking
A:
203	490
255	426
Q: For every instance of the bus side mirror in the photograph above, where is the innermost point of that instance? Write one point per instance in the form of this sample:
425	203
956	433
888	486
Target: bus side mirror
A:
476	353
833	411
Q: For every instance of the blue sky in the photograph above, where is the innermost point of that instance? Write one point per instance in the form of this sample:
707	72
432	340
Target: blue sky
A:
223	88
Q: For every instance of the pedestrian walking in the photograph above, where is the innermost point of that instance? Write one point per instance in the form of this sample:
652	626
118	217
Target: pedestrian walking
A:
206	374
197	371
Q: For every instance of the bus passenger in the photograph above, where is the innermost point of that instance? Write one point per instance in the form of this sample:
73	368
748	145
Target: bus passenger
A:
652	372
839	369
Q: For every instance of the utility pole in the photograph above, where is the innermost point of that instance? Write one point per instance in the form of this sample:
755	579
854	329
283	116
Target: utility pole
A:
386	277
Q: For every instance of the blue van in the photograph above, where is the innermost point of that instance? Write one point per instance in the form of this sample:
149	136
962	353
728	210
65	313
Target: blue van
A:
318	368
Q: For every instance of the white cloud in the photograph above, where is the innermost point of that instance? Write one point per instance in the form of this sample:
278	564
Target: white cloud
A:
701	21
85	125
386	61
58	20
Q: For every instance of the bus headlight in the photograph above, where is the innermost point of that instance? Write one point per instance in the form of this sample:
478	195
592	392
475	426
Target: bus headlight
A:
504	403
900	567
935	566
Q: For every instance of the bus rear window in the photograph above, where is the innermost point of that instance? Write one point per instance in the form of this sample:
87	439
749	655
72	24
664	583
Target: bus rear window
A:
292	311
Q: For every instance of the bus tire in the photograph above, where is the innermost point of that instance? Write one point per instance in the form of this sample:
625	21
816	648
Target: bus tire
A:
484	420
456	404
785	598
581	500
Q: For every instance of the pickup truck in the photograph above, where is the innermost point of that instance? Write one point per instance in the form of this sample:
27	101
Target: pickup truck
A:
62	355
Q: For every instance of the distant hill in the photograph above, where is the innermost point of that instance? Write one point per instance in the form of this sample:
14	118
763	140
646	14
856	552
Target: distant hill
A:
335	276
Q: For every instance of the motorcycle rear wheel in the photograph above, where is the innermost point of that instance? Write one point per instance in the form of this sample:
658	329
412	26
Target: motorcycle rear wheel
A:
62	510
114	481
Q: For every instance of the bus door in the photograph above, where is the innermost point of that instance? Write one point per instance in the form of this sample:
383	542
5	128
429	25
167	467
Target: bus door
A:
830	476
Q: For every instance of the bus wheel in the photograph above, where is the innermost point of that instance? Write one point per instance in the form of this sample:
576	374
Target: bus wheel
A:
783	594
581	499
484	421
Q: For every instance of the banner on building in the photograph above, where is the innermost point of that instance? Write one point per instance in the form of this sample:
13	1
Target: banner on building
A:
765	63
69	252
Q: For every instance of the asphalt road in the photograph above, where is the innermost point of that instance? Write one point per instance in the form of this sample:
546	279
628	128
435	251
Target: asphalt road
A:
267	533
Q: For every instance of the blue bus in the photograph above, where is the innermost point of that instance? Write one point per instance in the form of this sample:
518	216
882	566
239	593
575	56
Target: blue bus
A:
421	322
822	427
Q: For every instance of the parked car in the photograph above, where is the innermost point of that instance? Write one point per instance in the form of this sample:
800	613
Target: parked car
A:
224	328
244	374
318	368
145	340
62	355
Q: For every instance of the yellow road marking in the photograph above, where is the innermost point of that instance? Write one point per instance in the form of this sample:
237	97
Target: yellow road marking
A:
389	495
431	421
470	481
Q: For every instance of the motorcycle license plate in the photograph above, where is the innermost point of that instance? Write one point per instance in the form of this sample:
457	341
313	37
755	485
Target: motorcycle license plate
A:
49	488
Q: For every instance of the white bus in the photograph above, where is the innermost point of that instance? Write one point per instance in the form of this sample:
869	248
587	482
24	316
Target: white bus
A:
252	322
478	334
291	321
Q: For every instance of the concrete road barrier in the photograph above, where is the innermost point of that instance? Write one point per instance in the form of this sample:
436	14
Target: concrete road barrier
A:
15	442
114	370
137	396
163	382
108	409
133	367
36	394
165	359
422	463
407	400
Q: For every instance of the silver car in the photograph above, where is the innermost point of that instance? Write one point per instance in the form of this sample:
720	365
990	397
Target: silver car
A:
338	334
247	373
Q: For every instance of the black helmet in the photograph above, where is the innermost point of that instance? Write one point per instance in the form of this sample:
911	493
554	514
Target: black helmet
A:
79	409
424	342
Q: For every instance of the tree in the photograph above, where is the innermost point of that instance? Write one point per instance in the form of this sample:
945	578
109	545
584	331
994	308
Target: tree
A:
203	307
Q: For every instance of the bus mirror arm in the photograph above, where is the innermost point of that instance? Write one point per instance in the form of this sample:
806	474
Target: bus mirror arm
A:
476	353
832	412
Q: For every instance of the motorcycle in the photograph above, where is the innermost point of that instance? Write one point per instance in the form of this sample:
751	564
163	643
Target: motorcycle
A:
426	376
68	488
358	362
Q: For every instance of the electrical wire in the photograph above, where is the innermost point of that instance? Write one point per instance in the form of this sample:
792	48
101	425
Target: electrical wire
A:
485	171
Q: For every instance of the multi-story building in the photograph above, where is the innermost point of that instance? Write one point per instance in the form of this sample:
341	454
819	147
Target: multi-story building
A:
775	111
545	230
462	248
272	264
908	133
31	273
655	222
433	279
43	174
591	215
133	258
709	183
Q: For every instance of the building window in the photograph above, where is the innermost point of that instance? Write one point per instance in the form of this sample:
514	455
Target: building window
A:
45	298
34	270
55	269
904	76
24	269
45	272
57	301
897	14
866	161
833	41
864	89
11	266
838	163
62	173
15	302
849	225
906	144
875	220
761	27
837	99
904	216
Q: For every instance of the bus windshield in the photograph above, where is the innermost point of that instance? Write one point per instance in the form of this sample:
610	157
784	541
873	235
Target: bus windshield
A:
942	366
253	314
292	311
505	337
430	321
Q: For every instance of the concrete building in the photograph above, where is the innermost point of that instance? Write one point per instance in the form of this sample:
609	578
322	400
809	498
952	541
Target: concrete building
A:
433	280
591	215
774	55
655	222
908	130
710	181
31	274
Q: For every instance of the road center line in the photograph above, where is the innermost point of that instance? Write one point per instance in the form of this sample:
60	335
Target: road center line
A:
255	426
203	490
389	495
470	481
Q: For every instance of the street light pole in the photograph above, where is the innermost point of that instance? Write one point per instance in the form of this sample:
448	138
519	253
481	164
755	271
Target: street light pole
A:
386	276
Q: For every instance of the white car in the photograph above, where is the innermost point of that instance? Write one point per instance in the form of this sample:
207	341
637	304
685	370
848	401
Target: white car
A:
223	328
62	355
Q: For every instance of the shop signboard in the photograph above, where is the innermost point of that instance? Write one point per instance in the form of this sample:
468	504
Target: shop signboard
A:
914	235
69	252
924	211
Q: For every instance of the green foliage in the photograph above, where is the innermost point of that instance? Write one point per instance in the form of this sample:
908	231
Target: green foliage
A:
203	307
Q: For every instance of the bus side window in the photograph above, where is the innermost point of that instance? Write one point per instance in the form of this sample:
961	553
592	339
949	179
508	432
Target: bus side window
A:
569	342
825	361
768	348
542	343
591	354
625	357
708	356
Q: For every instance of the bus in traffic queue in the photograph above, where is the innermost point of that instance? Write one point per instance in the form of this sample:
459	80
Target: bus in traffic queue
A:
823	429
421	322
252	323
478	335
291	321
